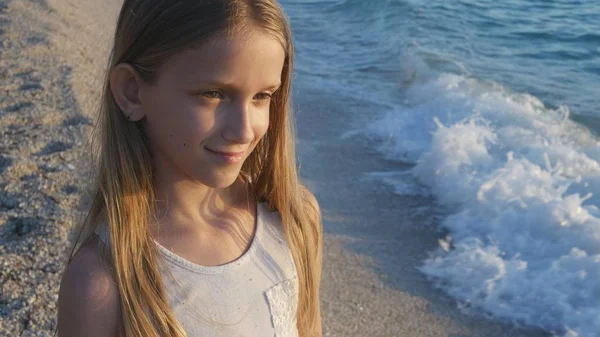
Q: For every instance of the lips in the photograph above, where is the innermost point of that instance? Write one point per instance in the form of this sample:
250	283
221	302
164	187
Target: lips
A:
228	157
227	153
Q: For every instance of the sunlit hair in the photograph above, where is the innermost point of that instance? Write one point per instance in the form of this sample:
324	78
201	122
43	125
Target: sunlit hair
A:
148	33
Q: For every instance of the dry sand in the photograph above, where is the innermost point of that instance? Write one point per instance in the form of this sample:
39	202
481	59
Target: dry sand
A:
52	54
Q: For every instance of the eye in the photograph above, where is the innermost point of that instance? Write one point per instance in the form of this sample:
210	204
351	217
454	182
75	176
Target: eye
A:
263	96
212	94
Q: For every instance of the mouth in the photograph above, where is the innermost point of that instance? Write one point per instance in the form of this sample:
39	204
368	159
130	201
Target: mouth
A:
230	157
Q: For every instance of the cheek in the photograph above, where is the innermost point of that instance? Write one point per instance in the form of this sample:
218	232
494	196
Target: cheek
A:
262	124
176	123
261	127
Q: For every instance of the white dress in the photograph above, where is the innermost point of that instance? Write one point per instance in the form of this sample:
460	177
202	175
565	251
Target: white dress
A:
255	295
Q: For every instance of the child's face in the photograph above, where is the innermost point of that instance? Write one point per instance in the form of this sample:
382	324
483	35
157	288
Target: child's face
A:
211	99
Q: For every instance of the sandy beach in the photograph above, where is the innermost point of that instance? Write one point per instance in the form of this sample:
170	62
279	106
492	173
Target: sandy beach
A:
52	54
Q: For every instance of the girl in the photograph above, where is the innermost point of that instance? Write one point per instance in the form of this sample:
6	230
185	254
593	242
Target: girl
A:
198	225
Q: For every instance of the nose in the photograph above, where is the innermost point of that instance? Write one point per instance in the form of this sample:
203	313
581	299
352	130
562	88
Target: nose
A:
238	124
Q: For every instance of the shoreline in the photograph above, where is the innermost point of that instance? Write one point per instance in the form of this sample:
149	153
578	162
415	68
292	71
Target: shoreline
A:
376	239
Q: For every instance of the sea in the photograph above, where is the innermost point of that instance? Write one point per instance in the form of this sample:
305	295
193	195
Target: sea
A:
491	109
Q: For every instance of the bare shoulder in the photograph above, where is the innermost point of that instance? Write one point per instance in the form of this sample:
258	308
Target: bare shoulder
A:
88	300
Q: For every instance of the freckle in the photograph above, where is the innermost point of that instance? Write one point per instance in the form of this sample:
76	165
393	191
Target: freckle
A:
171	135
184	144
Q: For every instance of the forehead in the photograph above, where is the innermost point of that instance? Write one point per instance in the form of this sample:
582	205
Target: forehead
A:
249	59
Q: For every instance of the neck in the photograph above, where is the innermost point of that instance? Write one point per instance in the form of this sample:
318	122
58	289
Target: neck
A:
183	204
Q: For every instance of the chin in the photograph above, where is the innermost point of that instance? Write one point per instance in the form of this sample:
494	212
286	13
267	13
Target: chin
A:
220	179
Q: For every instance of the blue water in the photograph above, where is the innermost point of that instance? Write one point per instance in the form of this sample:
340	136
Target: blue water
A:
550	49
492	102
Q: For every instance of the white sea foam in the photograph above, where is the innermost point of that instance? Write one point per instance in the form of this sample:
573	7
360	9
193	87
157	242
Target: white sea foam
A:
523	181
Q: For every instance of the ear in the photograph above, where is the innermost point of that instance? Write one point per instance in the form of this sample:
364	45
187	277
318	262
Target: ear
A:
125	85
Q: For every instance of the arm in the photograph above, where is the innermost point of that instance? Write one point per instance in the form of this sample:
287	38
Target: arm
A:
88	300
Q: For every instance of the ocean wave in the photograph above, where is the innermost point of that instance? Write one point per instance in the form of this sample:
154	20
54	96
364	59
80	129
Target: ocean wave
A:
522	181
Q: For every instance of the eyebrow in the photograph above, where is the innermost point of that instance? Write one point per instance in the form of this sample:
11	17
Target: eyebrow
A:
232	86
274	87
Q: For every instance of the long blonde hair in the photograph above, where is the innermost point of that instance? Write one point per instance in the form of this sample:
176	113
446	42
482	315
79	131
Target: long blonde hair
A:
149	32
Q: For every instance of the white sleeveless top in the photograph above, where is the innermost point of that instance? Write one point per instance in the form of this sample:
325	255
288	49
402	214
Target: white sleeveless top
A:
255	295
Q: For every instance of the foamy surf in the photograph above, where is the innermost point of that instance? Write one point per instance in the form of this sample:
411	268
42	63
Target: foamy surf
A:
521	181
